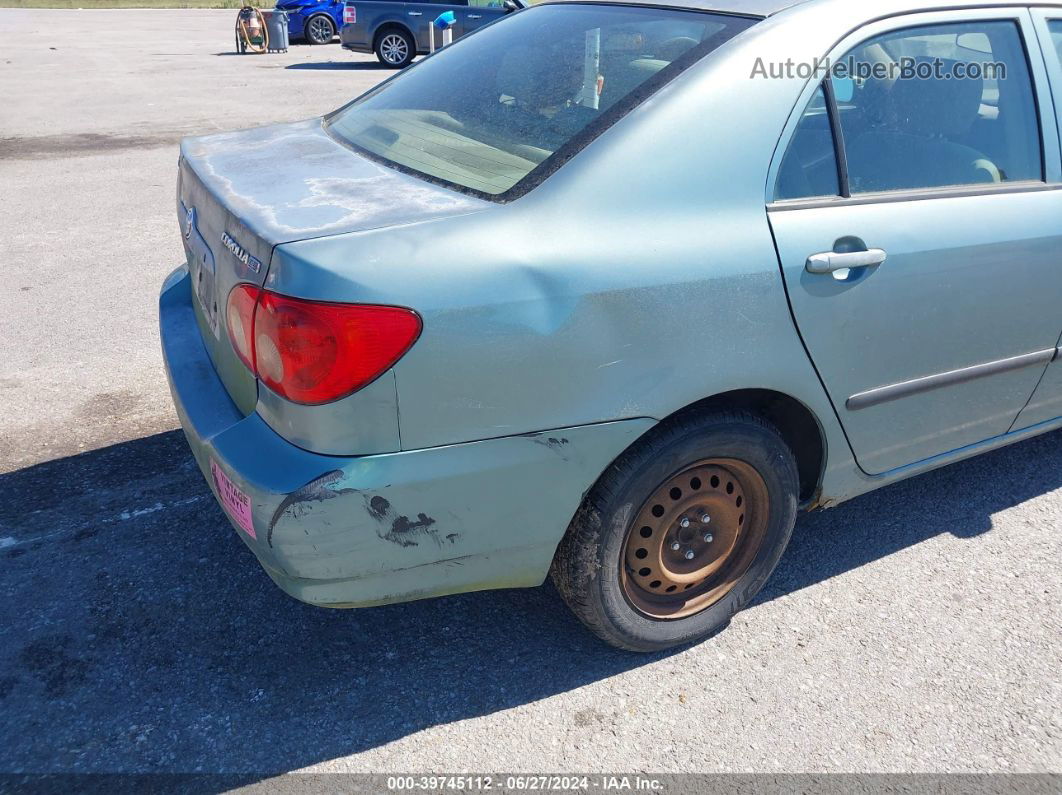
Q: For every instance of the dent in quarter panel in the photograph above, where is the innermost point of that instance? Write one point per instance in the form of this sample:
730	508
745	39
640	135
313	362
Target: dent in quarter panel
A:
639	278
525	331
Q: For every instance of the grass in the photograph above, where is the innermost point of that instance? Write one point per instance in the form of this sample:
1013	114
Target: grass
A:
133	3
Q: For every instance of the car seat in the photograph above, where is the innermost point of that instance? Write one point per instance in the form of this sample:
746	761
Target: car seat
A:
912	124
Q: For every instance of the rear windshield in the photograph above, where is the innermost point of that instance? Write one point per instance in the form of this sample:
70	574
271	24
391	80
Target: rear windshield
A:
496	112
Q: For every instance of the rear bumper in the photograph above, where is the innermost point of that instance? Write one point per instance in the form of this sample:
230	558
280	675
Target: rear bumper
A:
358	531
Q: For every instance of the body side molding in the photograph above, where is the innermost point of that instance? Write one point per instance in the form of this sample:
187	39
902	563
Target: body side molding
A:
883	394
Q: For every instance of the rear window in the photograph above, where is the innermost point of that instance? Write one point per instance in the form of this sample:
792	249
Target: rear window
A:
496	112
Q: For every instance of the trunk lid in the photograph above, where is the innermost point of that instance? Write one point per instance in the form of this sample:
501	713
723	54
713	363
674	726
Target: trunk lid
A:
241	194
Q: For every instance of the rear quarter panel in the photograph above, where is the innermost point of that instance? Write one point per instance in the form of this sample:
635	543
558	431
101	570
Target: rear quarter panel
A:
639	278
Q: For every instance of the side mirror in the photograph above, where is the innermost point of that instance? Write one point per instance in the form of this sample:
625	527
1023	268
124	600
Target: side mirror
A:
510	6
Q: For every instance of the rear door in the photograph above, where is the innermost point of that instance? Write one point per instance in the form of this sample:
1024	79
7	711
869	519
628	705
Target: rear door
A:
418	17
917	224
1046	402
469	15
460	10
479	13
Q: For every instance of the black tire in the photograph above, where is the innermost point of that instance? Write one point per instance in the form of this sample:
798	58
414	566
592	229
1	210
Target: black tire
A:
591	568
320	29
395	48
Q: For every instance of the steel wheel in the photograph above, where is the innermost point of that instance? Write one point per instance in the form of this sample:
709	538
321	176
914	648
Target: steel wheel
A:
320	30
723	487
694	538
394	49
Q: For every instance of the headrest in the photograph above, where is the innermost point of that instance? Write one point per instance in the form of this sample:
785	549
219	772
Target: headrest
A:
672	49
941	103
622	76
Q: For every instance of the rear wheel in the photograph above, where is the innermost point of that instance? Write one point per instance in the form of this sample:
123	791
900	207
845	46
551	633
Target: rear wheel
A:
320	29
681	532
395	48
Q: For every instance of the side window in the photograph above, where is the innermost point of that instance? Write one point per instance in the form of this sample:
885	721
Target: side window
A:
940	106
486	3
809	167
1055	27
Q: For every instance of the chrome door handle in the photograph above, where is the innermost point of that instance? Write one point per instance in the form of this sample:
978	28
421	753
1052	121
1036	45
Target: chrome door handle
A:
414	13
832	261
475	16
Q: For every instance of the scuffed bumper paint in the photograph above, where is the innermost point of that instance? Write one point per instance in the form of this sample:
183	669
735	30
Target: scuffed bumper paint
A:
358	531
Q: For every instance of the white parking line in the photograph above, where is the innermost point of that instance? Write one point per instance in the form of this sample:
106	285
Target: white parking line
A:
11	541
125	515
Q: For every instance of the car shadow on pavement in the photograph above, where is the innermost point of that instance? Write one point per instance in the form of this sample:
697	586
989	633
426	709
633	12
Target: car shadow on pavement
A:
139	634
339	65
959	499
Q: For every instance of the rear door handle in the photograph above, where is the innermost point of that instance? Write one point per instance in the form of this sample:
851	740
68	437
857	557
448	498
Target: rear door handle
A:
832	261
475	16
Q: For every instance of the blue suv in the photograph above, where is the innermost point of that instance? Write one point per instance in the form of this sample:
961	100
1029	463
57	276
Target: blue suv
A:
316	21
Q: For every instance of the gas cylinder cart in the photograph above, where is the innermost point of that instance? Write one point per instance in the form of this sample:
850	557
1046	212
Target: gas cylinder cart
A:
252	34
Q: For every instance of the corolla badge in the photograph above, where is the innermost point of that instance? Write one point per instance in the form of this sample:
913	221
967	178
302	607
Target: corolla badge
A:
241	253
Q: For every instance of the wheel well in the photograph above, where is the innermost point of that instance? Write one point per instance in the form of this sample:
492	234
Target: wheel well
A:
795	421
388	26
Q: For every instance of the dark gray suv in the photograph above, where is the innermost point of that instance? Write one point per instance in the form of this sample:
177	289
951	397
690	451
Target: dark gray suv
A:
397	32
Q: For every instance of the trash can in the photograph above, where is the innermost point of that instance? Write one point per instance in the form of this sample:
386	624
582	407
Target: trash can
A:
277	25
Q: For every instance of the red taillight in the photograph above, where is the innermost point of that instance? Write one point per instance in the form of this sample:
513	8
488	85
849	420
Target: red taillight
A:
350	15
316	352
239	317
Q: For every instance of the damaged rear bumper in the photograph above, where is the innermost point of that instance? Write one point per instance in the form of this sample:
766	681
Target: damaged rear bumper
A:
358	531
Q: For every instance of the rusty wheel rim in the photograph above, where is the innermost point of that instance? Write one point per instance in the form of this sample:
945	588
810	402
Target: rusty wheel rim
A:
694	538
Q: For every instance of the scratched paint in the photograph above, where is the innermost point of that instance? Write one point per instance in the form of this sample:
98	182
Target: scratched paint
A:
397	526
400	529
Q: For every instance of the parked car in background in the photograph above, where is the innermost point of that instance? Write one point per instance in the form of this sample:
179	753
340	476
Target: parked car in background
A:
608	292
314	21
397	32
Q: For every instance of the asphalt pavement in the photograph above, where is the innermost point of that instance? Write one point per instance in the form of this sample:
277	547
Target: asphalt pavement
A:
917	629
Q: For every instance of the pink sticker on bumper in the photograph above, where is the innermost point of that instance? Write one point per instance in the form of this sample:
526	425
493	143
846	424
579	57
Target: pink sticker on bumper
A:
236	503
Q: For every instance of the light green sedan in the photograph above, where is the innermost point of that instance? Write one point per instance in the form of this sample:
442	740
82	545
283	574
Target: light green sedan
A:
612	291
